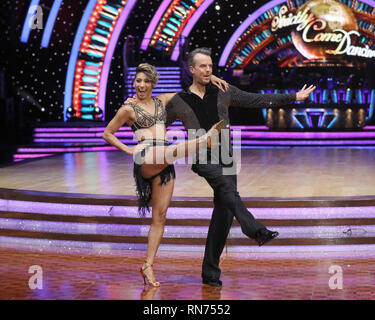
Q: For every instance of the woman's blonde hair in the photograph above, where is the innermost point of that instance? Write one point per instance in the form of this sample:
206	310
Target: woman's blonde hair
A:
150	72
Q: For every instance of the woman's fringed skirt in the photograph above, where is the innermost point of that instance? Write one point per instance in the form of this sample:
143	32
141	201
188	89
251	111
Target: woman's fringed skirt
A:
143	185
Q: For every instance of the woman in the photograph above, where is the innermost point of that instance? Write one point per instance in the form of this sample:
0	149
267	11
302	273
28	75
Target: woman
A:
153	167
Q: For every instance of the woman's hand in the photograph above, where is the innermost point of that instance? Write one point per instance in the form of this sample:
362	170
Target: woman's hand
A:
221	84
137	149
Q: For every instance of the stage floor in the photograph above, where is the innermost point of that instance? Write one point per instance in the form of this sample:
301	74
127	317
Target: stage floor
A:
279	173
79	258
86	274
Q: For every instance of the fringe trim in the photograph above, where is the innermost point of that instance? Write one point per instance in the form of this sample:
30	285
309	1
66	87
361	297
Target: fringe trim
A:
144	186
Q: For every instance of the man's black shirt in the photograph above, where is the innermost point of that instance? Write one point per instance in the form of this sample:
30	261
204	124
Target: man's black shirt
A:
204	109
196	113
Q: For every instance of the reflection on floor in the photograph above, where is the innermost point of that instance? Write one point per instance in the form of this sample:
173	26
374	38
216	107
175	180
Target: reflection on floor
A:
72	274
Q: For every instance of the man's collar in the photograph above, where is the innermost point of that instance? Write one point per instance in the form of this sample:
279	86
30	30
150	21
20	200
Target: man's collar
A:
209	88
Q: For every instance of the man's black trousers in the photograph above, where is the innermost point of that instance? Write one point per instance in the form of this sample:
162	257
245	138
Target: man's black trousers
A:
227	204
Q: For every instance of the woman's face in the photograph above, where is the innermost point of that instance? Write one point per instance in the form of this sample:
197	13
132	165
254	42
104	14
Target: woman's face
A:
143	86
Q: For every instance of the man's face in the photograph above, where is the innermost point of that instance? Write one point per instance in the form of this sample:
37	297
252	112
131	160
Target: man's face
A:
202	69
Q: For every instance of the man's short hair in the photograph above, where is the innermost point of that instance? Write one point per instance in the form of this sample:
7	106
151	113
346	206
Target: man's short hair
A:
190	58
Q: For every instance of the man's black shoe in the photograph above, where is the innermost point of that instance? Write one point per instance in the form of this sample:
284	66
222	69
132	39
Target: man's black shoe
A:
212	282
265	235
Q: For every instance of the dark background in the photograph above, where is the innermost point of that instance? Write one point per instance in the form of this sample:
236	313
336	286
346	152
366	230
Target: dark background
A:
32	78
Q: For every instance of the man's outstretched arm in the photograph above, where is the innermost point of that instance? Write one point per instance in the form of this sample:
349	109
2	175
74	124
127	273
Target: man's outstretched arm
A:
240	98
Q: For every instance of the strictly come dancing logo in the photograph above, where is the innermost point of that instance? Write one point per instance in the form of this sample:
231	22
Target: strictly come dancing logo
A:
322	29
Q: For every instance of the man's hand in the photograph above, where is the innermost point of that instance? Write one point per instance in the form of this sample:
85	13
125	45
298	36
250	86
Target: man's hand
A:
221	84
304	93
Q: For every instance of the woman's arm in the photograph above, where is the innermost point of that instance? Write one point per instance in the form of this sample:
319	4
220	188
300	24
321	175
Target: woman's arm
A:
165	98
221	84
121	117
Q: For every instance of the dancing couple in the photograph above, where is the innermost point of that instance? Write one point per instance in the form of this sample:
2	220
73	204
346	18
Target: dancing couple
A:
204	105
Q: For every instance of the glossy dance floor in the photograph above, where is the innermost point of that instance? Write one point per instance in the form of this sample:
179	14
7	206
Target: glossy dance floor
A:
90	275
278	271
281	173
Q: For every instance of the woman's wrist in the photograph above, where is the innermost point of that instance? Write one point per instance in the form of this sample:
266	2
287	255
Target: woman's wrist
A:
128	150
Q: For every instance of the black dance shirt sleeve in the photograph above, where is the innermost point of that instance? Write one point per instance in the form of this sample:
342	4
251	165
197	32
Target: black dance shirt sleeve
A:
240	98
171	111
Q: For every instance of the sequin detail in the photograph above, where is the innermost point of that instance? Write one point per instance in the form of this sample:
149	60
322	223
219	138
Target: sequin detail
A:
145	119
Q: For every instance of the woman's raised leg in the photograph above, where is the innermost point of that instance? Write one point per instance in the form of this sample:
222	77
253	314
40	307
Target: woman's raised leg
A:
190	147
159	157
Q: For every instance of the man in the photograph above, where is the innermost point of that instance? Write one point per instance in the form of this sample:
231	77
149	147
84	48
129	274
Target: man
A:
201	106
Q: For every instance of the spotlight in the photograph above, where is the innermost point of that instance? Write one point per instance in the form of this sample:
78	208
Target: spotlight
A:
70	113
98	113
217	7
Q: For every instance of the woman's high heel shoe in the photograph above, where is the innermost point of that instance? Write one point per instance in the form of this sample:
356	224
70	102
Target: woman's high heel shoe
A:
213	133
149	275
